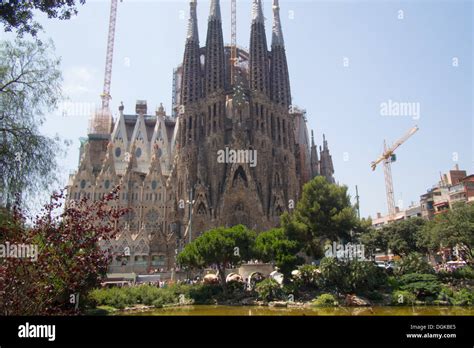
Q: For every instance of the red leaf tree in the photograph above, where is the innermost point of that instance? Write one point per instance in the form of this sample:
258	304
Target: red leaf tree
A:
70	261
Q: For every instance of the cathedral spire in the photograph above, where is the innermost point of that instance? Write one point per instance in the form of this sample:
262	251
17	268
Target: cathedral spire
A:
257	12
277	32
326	166
191	83
314	161
214	70
215	12
193	33
259	72
279	76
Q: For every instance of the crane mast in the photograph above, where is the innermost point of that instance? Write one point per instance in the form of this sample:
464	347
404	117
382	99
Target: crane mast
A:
387	157
387	170
110	55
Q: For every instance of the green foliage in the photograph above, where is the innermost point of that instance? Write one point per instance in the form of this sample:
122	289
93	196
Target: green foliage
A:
401	237
324	212
403	298
363	276
450	229
269	290
463	297
274	245
393	282
204	293
422	285
333	273
18	15
148	295
466	272
222	247
115	297
30	85
325	300
413	263
351	276
373	240
309	276
445	294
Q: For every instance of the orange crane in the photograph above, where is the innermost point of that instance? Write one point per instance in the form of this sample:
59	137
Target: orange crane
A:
387	157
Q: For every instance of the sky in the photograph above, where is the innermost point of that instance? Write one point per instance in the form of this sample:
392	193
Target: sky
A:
347	59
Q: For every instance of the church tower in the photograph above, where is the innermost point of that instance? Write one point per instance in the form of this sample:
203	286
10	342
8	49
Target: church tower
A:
259	59
279	77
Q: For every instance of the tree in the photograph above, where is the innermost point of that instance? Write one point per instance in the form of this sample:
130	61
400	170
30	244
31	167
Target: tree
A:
414	263
220	247
274	245
454	228
30	84
374	239
401	237
69	261
18	15
324	212
350	276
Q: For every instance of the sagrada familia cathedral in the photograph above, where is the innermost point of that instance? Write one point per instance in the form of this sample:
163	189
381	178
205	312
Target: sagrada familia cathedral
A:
226	100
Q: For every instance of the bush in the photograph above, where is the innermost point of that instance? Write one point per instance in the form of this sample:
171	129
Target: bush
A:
332	273
114	297
422	285
143	294
445	294
393	282
401	298
466	272
413	263
363	276
463	297
308	276
325	300
269	290
204	293
351	276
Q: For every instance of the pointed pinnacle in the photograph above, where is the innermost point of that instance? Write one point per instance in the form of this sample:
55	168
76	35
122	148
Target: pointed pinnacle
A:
277	32
257	12
193	33
215	12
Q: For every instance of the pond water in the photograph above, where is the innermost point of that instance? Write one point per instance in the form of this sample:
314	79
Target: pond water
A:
216	310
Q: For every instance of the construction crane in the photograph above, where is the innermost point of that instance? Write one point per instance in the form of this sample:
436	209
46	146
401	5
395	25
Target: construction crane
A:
110	55
233	41
387	157
101	121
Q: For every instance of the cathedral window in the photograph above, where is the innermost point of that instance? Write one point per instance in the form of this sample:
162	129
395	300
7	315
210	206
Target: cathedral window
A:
154	185
118	152
107	184
138	152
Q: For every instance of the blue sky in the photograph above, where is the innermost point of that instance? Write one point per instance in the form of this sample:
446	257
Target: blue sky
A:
389	58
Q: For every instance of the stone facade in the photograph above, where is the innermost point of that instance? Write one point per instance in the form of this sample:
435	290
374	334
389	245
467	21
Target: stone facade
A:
167	164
